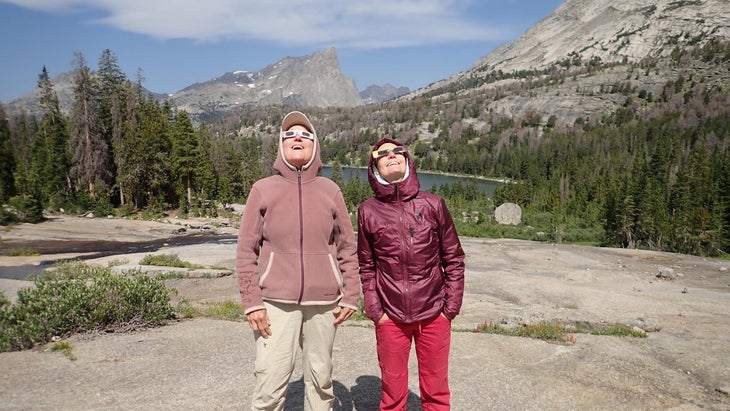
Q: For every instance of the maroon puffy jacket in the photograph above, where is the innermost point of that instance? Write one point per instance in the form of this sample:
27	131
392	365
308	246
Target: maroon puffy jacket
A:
410	256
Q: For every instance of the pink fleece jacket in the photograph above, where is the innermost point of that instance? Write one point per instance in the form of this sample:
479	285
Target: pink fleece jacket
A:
296	243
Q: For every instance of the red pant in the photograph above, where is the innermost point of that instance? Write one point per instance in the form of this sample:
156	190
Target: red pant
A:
433	340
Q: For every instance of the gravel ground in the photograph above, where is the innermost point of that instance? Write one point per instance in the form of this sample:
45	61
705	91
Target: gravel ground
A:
206	364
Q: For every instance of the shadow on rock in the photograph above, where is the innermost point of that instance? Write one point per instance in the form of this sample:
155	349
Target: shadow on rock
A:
365	396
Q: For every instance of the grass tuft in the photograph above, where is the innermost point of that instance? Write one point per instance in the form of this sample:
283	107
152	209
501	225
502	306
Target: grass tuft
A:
542	331
20	252
227	310
554	331
360	313
620	330
167	260
65	348
117	262
185	309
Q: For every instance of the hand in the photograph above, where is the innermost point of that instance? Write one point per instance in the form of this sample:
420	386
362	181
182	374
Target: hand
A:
342	314
383	319
259	322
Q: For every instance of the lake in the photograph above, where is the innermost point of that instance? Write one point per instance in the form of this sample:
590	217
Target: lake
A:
428	180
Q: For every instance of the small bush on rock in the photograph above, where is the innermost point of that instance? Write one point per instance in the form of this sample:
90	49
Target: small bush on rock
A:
166	260
75	298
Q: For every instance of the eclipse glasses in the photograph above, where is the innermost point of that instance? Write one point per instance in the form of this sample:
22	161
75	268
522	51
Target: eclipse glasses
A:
300	133
386	151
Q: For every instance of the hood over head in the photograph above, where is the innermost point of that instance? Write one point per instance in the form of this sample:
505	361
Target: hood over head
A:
313	167
407	188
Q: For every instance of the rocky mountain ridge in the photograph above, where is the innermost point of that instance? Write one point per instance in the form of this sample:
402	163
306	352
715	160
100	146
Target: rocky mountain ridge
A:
571	65
611	31
379	94
312	80
576	62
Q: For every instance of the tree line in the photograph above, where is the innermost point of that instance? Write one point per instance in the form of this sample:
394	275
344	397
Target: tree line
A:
119	148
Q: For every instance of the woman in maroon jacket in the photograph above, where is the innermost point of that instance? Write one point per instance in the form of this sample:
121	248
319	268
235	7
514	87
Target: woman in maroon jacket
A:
412	274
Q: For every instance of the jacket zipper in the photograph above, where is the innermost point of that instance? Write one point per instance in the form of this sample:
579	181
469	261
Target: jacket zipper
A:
410	231
404	256
301	238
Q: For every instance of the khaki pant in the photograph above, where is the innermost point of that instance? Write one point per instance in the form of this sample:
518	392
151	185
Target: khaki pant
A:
309	328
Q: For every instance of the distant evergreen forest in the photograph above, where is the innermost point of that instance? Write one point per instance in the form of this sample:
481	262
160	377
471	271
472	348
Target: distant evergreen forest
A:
655	174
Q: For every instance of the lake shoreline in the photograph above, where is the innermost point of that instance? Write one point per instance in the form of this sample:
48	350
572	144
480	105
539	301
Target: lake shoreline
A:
428	180
440	173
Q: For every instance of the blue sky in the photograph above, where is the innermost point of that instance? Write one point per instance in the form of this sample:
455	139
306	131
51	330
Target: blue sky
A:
176	43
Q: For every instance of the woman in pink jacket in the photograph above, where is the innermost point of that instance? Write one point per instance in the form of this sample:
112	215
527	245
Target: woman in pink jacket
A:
297	269
412	273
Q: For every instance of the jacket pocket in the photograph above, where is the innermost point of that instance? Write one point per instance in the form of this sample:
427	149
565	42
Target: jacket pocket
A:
336	270
267	269
424	242
322	280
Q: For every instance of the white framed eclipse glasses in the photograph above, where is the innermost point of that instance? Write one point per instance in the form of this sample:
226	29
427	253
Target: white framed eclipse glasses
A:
384	152
300	133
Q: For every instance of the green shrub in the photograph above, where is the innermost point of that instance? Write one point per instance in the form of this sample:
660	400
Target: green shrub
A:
7	216
125	211
620	330
542	331
73	297
166	260
27	208
19	252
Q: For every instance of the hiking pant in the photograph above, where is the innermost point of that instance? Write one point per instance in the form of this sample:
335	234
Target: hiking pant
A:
433	340
309	328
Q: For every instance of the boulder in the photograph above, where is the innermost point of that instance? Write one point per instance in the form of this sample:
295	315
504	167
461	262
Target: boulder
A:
508	213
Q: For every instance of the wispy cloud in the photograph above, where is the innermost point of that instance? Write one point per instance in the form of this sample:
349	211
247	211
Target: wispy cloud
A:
341	23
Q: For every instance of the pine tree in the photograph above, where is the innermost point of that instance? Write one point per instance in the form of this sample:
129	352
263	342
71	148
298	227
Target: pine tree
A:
147	155
116	102
50	158
228	178
205	174
245	164
336	175
24	129
724	202
91	152
7	159
698	214
185	155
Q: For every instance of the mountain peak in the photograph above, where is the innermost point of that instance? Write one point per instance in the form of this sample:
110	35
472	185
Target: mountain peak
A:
312	80
612	31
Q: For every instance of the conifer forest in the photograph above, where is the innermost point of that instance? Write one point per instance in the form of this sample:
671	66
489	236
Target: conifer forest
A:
652	174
